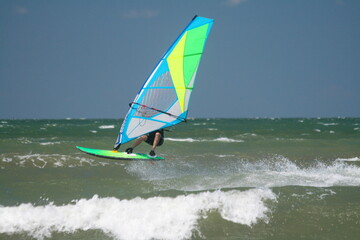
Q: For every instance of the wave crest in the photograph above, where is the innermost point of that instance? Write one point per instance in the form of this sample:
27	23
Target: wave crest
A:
138	218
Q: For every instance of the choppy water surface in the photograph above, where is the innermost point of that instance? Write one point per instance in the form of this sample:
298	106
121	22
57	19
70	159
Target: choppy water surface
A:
221	179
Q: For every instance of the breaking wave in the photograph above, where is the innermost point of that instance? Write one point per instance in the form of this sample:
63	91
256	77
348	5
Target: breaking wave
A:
138	218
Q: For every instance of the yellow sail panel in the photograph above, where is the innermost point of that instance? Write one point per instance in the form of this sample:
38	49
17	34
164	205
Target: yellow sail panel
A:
176	67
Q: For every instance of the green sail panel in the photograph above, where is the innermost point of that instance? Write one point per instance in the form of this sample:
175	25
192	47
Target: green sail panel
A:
195	42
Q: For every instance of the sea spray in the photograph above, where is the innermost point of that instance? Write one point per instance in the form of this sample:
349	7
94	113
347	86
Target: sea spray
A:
272	171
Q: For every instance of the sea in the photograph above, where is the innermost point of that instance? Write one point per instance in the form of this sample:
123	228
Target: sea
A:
259	178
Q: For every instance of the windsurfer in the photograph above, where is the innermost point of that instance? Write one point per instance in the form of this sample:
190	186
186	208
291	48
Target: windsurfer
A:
155	138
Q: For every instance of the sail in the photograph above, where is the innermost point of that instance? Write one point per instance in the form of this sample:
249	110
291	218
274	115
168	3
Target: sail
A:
164	98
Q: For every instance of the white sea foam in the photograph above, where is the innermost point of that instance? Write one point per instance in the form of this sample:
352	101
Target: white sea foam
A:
182	139
49	143
328	192
289	139
225	139
354	159
225	155
198	124
24	140
51	125
7	160
48	160
138	218
328	124
250	134
107	126
220	139
286	173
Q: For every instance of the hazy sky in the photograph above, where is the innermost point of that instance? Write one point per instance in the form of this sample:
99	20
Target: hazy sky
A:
88	59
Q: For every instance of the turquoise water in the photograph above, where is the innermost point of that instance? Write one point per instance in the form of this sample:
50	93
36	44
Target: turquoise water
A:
221	179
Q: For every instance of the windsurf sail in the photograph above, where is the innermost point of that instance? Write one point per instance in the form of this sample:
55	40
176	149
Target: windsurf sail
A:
163	100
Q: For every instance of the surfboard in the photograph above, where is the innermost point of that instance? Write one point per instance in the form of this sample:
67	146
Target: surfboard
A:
117	155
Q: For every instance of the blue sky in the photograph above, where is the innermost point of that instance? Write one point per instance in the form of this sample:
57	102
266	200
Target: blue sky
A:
88	59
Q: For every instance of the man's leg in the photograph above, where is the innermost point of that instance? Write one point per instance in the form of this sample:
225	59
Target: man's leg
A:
155	143
136	143
156	140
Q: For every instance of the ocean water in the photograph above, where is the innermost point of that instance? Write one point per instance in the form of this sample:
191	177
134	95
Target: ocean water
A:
221	179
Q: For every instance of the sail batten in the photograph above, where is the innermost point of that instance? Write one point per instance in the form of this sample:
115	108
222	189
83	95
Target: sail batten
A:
164	97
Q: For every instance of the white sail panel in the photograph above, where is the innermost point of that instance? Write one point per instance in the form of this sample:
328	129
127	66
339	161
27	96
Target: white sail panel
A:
138	126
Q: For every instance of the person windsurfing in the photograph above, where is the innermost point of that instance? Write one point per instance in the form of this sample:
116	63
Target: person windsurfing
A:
155	139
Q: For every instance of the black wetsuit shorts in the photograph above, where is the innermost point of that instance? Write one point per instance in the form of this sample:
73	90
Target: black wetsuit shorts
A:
151	137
